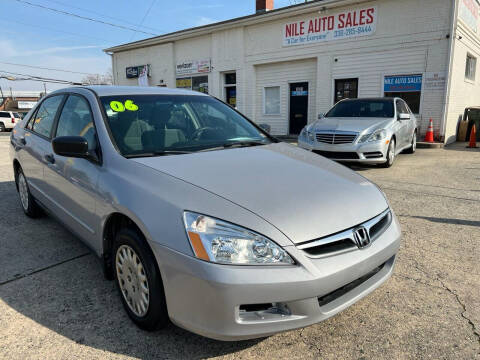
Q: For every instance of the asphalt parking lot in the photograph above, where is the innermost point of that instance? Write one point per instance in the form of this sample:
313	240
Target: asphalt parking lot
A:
55	303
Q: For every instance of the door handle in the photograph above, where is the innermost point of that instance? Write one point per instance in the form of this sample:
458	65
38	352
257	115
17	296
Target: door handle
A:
49	159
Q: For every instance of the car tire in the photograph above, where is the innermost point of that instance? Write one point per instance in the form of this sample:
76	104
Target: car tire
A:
2	127
138	280
413	146
27	201
390	154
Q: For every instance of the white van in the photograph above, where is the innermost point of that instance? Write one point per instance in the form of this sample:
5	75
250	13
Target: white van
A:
8	120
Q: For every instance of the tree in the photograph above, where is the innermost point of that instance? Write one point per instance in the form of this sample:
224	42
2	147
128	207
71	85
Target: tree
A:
99	79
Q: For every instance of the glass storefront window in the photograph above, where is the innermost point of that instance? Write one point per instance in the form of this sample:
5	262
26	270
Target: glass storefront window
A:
195	83
406	87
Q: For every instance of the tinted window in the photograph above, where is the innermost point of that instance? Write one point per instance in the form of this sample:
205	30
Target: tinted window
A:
363	108
76	120
4	115
402	107
17	115
43	121
157	123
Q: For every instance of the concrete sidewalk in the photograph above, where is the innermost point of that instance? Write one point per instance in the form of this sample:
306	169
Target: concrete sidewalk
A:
55	304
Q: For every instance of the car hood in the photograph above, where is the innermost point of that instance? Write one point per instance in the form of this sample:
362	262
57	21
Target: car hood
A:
302	194
350	124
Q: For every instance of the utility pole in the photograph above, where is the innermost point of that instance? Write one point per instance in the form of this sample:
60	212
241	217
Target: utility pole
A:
45	88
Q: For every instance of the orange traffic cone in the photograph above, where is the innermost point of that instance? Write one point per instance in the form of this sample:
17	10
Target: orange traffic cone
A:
429	134
473	138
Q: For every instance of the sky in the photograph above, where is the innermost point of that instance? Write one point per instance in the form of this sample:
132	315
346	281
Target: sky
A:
35	36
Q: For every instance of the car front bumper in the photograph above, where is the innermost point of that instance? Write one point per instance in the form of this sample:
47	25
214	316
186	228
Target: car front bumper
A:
205	298
368	152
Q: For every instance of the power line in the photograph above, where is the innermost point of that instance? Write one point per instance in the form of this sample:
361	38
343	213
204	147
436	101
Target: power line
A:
104	15
55	30
83	17
46	68
35	78
145	16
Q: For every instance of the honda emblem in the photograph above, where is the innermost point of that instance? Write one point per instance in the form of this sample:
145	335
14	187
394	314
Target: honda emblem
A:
361	237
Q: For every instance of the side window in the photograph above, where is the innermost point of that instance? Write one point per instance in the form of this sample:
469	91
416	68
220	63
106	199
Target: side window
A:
76	120
42	122
401	108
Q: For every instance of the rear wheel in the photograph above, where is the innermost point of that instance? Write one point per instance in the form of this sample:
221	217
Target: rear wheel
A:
390	154
2	127
138	281
29	206
413	146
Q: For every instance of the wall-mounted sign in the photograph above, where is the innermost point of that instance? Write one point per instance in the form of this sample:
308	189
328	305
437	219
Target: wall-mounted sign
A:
26	104
403	83
133	72
344	25
435	80
469	11
194	67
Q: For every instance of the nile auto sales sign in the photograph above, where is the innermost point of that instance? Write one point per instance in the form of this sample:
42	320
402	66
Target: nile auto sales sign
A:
343	25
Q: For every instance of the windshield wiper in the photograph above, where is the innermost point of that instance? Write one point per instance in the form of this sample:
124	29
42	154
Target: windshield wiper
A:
157	153
237	144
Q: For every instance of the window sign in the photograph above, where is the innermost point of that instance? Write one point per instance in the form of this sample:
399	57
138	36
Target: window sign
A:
300	91
406	87
272	100
343	25
403	83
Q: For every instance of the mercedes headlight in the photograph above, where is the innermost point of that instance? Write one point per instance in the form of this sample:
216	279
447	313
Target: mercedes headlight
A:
378	135
221	242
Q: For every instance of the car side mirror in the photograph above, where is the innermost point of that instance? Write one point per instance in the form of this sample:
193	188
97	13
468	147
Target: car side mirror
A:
403	116
71	146
321	116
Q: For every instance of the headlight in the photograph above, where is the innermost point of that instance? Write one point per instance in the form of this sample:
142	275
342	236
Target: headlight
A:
378	135
303	134
224	243
311	136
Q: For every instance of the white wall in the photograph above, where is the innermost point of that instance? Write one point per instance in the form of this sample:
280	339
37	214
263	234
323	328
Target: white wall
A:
463	92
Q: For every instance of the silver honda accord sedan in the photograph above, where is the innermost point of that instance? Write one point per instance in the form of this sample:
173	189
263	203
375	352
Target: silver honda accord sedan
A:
371	131
198	215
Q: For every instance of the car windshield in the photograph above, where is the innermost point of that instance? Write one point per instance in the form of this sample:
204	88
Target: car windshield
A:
363	108
156	125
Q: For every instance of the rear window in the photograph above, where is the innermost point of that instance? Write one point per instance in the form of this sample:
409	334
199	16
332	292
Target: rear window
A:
4	114
17	115
363	108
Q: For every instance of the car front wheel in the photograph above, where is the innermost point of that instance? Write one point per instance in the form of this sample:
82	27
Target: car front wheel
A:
138	281
390	154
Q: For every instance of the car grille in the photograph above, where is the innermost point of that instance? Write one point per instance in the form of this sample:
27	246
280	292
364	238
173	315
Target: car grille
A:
327	299
341	155
336	137
344	241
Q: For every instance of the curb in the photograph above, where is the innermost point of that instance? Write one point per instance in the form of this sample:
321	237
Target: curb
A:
427	145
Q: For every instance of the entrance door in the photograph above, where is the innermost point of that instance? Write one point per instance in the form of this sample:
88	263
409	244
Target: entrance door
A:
298	107
346	89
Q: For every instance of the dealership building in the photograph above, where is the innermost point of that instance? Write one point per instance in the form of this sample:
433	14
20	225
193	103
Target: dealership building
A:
285	67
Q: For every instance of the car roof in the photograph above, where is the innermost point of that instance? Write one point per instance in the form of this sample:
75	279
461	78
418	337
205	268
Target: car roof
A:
107	90
373	99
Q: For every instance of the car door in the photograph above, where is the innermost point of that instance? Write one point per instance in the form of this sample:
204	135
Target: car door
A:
35	145
403	138
73	181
